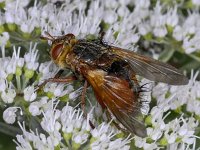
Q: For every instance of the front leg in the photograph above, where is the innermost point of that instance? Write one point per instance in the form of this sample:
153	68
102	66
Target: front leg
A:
58	80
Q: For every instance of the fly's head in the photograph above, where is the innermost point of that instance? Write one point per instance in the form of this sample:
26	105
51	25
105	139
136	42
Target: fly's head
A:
60	47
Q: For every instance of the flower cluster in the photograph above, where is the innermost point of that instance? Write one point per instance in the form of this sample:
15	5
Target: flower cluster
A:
166	30
68	128
179	97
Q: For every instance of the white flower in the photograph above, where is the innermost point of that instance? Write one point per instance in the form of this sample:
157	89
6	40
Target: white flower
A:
34	109
3	84
119	144
172	17
8	96
155	133
3	77
125	40
59	90
142	3
31	58
160	31
179	95
80	137
142	143
9	115
182	129
191	24
74	119
49	122
4	37
148	146
178	33
47	70
9	65
9	16
25	145
171	137
144	28
196	2
30	140
110	16
73	95
30	94
157	19
16	57
101	137
11	68
25	27
123	11
139	15
112	4
124	2
191	44
74	127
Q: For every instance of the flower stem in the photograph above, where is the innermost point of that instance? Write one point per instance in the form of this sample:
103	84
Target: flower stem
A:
9	129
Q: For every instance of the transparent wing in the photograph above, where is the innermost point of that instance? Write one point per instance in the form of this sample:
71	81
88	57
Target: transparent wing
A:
150	68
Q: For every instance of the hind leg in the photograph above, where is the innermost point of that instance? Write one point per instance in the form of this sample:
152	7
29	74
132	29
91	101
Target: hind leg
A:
83	94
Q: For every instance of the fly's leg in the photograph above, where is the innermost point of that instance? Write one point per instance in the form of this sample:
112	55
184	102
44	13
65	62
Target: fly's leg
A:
102	34
133	77
59	74
83	97
57	79
45	82
115	123
141	88
83	102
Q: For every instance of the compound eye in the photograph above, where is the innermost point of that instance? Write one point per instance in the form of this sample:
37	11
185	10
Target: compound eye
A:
56	51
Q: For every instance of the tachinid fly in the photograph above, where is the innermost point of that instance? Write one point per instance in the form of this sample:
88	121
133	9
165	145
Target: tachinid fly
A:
111	71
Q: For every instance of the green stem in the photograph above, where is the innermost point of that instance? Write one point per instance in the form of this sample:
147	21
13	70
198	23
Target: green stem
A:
9	129
18	83
24	83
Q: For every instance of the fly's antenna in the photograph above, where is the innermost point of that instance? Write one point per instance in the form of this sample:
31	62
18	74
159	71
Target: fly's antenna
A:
48	37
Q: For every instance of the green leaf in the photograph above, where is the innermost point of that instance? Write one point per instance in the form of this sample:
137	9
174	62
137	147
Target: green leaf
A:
6	142
195	57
